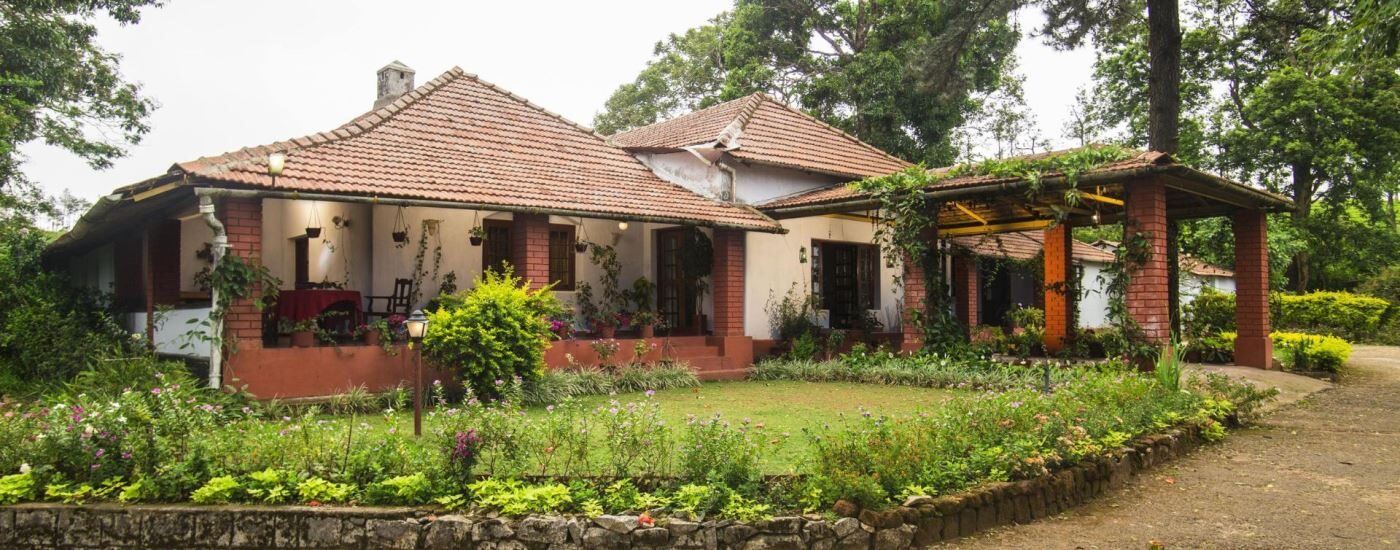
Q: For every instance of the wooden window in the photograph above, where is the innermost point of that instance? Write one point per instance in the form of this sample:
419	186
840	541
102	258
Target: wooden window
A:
845	280
495	251
302	262
561	256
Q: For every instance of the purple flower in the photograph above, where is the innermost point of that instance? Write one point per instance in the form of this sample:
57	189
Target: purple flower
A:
155	391
126	456
651	393
500	382
99	453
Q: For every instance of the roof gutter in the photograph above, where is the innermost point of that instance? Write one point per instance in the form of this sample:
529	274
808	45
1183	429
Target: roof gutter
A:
86	222
216	192
1271	201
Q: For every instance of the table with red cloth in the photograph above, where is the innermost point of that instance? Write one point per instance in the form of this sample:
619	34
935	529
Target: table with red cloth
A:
300	305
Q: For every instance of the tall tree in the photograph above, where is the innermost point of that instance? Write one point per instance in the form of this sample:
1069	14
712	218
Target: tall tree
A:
59	86
898	74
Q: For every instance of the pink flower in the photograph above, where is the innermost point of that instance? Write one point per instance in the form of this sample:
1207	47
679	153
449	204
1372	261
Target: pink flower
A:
155	391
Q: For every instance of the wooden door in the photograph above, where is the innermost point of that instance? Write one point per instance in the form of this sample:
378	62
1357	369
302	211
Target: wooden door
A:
675	296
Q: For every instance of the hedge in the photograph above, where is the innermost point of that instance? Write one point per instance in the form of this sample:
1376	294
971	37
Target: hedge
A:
1351	316
1319	353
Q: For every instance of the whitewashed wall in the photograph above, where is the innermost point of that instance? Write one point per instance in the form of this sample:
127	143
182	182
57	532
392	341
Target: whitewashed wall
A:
340	255
773	265
1192	284
194	233
173	328
758	183
1092	311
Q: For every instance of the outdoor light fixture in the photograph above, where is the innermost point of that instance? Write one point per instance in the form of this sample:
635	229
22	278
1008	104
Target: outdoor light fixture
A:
622	226
275	163
417	326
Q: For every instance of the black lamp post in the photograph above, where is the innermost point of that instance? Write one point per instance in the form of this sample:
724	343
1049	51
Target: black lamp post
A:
417	326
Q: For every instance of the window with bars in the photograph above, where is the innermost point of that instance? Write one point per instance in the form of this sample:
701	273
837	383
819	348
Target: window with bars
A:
561	256
495	251
845	279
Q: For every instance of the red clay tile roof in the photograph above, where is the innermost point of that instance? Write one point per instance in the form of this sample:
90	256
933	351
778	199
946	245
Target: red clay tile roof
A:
1024	245
460	139
840	193
763	130
1198	267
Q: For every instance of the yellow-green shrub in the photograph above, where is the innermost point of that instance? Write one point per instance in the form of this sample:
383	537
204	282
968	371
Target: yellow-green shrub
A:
1353	316
1325	353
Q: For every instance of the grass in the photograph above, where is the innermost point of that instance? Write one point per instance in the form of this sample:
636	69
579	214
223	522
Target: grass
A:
780	406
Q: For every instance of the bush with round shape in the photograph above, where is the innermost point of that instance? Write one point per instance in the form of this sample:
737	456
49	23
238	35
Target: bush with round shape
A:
496	331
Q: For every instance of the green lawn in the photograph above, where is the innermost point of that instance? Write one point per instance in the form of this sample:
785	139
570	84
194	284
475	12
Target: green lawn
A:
780	406
784	406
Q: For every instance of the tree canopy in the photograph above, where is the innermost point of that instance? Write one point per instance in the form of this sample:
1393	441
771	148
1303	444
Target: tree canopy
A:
897	74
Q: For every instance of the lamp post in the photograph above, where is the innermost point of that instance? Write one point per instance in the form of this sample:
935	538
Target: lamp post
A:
417	326
275	163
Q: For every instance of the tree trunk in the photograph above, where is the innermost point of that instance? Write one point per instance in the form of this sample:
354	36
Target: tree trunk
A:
1303	183
1164	75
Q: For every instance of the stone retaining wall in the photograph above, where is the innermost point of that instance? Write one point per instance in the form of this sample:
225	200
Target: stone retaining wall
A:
919	522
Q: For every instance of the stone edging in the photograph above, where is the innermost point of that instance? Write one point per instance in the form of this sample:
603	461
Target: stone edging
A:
920	522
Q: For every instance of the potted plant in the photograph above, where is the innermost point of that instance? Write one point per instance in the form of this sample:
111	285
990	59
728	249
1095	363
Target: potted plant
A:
303	332
645	321
606	324
476	235
581	246
400	232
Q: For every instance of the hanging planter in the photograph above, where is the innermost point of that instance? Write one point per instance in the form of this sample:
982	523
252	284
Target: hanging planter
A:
477	234
313	223
400	230
581	245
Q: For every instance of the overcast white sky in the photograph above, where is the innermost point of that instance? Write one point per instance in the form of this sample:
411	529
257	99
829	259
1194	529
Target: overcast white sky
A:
235	74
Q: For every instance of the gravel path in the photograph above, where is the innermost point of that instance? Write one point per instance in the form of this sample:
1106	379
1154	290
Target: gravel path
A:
1322	473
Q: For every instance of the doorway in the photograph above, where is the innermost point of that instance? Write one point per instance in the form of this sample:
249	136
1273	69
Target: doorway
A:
675	295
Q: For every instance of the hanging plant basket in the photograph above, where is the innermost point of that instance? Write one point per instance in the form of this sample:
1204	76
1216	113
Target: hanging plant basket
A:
477	233
400	231
475	240
313	222
313	232
581	247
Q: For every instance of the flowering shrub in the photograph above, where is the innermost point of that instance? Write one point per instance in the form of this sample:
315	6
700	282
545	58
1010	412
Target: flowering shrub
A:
713	450
929	370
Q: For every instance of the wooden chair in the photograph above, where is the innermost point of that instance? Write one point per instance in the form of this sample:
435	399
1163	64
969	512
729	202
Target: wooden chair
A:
394	304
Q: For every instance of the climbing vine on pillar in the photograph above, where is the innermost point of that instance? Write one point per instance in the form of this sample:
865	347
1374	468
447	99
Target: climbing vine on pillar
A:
907	227
1133	253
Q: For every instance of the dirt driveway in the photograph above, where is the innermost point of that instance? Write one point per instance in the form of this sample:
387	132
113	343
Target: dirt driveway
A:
1322	473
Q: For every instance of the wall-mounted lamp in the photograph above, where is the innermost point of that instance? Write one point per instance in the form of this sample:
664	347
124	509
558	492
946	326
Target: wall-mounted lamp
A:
622	226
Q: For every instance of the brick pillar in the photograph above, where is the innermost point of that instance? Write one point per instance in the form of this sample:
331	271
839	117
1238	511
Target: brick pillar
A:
1059	300
914	298
1147	294
966	290
165	262
727	281
242	219
1253	347
529	248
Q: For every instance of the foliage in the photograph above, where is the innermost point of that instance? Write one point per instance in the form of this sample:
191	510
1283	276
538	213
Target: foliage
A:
513	498
50	328
612	299
315	489
1310	352
897	75
713	450
1350	315
1167	370
405	490
558	385
57	84
1385	284
927	370
218	490
792	315
492	332
1017	434
1210	312
16	488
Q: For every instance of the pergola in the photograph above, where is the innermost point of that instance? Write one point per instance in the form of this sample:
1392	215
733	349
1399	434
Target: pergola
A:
1146	193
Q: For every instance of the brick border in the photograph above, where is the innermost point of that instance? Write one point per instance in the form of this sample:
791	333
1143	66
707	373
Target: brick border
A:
921	521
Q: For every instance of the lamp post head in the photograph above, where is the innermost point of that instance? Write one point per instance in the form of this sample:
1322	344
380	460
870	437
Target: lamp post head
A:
622	226
417	325
275	163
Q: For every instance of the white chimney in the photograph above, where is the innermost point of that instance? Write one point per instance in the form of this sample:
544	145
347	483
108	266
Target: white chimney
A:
395	79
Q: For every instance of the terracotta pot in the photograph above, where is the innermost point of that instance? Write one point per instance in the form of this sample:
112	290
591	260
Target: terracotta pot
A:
476	241
648	331
607	331
372	338
313	232
303	339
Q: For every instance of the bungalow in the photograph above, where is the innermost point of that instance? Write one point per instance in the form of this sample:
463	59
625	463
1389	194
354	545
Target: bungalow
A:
441	181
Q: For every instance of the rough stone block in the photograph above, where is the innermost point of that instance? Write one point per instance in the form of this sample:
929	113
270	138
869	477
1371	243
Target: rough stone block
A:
768	541
393	534
491	529
780	526
818	530
967	521
598	537
168	528
651	537
7	526
950	527
618	524
212	529
543	529
448	532
734	535
34	526
259	530
80	527
986	517
930	530
894	539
